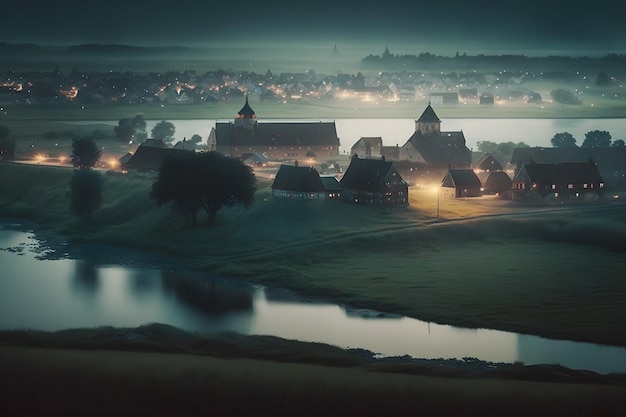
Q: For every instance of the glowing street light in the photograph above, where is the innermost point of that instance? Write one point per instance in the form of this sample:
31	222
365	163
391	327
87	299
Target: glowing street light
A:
436	190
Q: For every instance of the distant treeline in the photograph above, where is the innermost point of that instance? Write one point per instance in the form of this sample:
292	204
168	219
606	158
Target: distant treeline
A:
18	49
426	60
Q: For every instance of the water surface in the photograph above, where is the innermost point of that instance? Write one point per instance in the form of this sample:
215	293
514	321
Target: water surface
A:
46	288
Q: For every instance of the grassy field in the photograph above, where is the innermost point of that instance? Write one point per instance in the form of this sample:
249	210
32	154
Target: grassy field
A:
557	274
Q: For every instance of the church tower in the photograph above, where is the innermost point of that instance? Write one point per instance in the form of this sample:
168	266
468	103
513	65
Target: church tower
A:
428	122
246	118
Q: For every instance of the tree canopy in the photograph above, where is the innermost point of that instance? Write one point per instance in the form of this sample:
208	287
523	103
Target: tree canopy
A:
500	151
205	180
85	153
85	192
131	129
563	140
597	139
7	144
563	96
164	131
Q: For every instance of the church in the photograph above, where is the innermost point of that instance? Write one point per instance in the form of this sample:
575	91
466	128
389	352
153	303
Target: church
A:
433	149
277	141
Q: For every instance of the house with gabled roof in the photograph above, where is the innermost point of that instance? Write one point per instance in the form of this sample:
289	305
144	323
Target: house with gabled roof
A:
150	158
485	166
498	183
558	182
374	181
460	183
610	161
367	146
275	140
434	149
305	183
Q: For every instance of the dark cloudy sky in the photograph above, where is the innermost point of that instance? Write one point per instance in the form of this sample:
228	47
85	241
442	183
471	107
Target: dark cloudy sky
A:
512	24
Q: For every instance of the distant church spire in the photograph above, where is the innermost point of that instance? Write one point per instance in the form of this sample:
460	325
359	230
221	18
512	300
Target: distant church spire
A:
246	117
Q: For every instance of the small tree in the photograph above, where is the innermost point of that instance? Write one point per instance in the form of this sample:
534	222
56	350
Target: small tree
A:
7	144
207	180
597	139
131	129
619	143
563	96
85	153
195	139
85	192
164	131
563	140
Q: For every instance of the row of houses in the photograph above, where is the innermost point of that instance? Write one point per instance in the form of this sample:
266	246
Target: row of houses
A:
366	181
378	182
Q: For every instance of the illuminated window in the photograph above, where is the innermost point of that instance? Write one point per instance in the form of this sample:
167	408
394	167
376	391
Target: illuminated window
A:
601	185
585	186
554	186
570	186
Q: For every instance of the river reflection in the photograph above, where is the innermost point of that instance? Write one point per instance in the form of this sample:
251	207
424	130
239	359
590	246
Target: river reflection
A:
52	294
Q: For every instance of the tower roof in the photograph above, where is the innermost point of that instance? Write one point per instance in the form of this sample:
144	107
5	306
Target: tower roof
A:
428	116
246	111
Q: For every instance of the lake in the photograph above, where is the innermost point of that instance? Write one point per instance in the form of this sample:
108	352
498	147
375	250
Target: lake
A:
49	284
533	132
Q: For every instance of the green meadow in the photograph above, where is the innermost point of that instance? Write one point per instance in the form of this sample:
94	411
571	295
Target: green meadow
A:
557	274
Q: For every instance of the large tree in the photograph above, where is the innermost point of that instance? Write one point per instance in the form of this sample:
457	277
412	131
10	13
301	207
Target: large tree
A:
85	192
85	153
164	130
563	140
206	180
597	139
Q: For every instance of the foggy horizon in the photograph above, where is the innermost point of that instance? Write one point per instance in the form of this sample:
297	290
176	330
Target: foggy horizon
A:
482	27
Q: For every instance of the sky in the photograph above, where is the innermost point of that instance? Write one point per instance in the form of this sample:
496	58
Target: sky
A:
480	25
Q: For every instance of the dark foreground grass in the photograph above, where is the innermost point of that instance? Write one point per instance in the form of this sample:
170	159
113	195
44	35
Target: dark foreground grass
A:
158	370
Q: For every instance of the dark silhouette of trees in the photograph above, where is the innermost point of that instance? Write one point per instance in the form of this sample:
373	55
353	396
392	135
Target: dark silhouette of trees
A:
85	192
206	180
563	140
131	129
619	143
597	139
500	151
164	131
7	144
195	139
85	153
563	96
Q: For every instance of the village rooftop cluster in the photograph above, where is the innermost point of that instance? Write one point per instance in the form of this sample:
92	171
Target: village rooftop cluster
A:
377	174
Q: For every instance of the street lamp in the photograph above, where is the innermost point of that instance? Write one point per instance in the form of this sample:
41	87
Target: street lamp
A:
436	190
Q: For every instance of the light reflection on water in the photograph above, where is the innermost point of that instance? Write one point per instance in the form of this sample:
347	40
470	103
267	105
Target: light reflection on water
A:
47	294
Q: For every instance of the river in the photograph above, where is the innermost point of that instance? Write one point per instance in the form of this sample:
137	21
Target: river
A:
533	132
49	284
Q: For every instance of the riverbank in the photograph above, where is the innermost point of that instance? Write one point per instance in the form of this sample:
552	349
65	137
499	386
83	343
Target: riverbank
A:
160	370
528	275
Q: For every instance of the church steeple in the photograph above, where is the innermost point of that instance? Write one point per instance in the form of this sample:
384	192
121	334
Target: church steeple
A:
428	121
246	117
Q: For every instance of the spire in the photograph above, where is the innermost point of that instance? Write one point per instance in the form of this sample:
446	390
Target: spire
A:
246	111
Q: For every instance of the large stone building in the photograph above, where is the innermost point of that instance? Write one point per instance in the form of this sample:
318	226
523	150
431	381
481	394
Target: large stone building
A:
277	141
434	151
